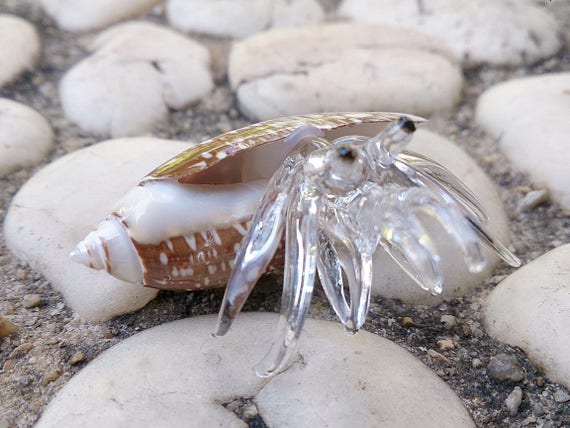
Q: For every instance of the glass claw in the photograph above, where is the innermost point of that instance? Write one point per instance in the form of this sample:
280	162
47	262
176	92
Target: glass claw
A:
427	173
300	268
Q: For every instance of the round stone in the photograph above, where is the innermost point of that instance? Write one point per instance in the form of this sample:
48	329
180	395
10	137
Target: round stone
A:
529	310
343	67
392	282
64	201
529	118
81	15
177	374
241	18
19	47
25	136
137	71
480	31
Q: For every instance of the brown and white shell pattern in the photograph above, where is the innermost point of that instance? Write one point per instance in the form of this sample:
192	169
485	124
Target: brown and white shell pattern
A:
181	227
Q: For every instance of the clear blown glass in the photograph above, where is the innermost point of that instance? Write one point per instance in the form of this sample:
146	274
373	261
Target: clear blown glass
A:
338	202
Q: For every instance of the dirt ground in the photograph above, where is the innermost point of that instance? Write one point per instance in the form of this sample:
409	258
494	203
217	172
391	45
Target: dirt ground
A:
46	352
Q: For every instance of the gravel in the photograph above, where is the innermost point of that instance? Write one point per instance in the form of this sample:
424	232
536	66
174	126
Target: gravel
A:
52	344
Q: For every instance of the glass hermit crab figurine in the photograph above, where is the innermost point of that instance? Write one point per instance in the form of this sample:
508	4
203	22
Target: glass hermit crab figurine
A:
337	202
336	197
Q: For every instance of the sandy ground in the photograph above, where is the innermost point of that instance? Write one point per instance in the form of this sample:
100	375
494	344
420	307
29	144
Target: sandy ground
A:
41	358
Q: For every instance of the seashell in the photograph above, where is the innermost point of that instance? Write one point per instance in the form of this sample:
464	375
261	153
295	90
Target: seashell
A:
180	228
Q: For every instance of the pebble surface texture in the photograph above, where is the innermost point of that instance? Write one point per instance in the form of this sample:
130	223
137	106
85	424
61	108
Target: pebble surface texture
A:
66	200
531	308
25	136
45	342
502	32
102	93
343	67
177	374
80	15
530	118
241	18
19	47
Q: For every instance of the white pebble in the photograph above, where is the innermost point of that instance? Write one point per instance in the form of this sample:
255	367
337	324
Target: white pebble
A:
136	73
530	117
81	15
241	18
25	136
480	31
177	374
390	280
19	47
530	308
343	67
65	200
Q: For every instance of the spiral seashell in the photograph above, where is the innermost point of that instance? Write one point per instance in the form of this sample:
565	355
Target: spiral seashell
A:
180	228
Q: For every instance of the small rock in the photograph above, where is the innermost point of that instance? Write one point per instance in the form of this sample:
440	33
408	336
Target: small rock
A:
21	274
7	308
476	363
408	322
533	199
25	136
343	67
144	70
540	381
561	396
21	350
527	310
241	18
505	367
19	51
51	376
521	112
480	31
81	15
31	300
9	364
440	357
7	327
51	213
250	411
445	344
513	401
448	321
77	358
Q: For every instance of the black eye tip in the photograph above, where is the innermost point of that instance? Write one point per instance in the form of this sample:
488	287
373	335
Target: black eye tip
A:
346	153
407	125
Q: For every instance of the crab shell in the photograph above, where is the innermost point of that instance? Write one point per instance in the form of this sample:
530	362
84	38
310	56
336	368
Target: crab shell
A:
180	228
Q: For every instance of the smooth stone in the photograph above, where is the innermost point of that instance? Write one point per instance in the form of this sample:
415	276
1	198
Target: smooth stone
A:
514	400
530	308
136	72
343	67
391	281
178	375
479	32
19	47
64	201
81	15
505	368
25	136
241	18
530	117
